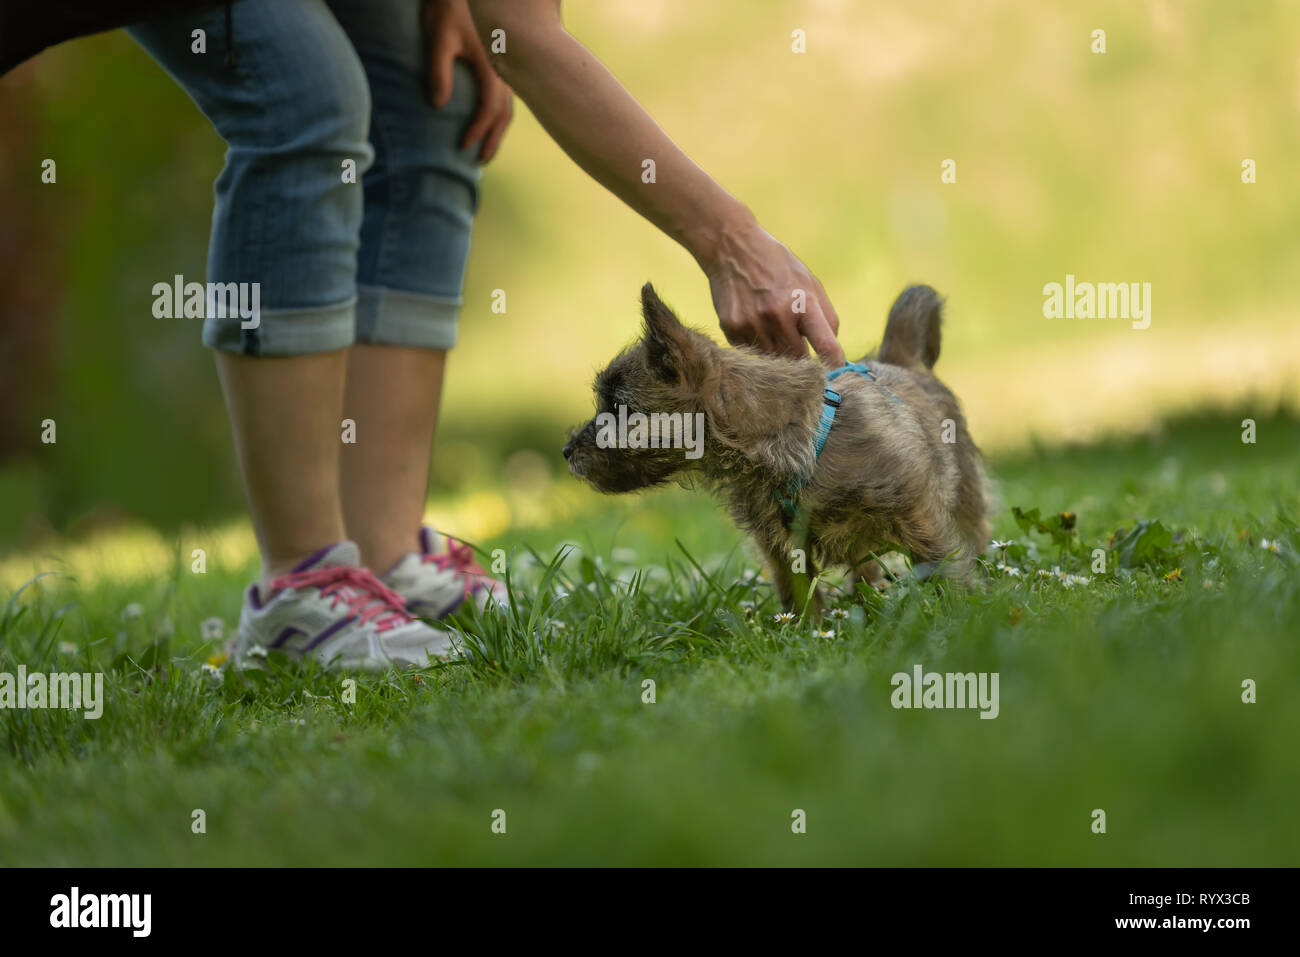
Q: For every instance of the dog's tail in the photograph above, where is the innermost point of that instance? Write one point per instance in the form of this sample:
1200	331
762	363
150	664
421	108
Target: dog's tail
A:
912	332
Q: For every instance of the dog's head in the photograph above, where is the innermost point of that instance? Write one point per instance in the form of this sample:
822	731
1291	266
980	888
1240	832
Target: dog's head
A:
649	423
681	390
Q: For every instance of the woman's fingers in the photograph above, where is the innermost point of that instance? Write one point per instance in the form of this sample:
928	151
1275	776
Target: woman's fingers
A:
818	330
828	312
443	54
486	115
498	130
783	331
494	111
745	333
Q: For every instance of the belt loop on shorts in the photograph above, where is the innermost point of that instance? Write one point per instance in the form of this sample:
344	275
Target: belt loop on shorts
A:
231	57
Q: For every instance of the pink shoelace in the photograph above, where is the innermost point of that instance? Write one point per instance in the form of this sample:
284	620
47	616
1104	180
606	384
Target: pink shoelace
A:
458	558
365	595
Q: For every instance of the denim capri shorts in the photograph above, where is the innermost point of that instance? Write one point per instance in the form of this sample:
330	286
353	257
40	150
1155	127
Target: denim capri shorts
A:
344	194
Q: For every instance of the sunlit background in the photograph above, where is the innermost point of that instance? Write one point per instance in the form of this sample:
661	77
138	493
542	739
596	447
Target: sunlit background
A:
1117	167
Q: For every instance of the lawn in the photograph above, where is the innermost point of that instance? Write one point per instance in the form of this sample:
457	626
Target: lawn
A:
1120	690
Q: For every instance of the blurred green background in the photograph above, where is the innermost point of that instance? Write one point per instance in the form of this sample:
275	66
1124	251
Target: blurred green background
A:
1117	167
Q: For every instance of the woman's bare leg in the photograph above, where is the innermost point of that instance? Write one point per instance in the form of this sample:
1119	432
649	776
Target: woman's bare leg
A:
286	415
392	394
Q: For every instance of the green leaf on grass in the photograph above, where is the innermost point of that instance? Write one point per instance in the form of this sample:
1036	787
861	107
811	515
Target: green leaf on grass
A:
1147	543
1028	521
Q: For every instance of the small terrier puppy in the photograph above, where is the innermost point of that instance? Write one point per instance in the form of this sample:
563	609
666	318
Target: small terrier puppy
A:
898	470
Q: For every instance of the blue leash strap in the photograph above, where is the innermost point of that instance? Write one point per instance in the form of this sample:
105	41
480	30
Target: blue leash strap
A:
831	402
830	405
857	367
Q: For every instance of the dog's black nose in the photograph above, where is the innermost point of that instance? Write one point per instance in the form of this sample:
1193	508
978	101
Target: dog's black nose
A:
568	450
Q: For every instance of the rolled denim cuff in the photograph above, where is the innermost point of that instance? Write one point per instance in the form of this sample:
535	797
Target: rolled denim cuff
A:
395	317
285	332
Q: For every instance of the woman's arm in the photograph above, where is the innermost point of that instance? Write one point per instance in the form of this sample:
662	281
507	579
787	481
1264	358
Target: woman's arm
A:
754	279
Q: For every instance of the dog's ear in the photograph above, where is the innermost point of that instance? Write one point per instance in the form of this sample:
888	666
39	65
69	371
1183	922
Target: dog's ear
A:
673	352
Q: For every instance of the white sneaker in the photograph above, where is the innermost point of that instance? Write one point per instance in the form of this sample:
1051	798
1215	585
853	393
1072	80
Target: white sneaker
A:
331	609
440	576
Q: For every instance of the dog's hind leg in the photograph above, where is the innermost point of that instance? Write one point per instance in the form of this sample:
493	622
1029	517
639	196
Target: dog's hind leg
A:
871	572
938	549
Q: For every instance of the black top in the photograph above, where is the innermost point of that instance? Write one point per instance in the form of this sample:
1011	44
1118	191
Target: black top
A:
29	26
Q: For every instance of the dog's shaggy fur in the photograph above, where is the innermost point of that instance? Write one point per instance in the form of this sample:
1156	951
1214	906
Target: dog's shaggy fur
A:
894	475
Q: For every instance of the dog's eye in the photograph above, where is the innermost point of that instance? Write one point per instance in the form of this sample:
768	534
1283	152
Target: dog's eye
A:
607	391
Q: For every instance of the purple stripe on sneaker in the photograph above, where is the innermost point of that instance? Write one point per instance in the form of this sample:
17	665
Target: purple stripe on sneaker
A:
426	540
342	622
285	635
311	559
254	597
450	608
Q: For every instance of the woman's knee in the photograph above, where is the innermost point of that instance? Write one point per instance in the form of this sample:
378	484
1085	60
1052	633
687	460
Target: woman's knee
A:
294	84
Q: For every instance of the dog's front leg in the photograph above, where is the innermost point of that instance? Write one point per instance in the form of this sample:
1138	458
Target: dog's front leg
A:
778	567
793	573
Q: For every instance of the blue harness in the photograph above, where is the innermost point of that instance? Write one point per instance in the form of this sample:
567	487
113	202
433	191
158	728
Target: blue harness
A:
830	404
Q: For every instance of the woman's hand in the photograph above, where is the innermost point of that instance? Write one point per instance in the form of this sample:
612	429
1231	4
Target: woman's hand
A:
766	297
450	35
763	294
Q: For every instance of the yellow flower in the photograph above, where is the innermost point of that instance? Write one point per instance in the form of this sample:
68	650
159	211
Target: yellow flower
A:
217	660
1175	576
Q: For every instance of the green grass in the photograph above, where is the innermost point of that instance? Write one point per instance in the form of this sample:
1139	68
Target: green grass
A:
1122	694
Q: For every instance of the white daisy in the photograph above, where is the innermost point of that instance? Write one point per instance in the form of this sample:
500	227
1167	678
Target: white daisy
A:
784	617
